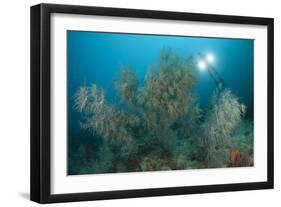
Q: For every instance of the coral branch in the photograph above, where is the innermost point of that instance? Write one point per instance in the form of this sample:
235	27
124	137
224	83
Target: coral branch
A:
162	127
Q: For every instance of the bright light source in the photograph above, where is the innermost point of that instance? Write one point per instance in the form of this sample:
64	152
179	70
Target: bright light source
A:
202	65
210	58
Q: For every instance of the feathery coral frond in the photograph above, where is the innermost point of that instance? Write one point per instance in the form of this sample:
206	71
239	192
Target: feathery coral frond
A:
164	128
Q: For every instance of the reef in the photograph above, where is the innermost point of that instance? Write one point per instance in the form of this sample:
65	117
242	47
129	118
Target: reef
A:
160	125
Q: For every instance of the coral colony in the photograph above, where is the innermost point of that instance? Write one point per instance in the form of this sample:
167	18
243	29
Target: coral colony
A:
160	125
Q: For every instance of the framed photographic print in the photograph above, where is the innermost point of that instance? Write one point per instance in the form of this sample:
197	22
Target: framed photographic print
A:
132	103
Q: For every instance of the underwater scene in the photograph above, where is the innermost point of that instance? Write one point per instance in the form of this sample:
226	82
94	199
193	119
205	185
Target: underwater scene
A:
140	102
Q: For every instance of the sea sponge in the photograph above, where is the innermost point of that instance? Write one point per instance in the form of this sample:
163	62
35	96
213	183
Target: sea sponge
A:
243	141
239	158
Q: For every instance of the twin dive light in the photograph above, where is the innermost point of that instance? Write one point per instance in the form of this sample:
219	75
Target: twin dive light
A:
205	61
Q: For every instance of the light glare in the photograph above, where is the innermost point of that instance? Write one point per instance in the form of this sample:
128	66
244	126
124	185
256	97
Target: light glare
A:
210	58
202	65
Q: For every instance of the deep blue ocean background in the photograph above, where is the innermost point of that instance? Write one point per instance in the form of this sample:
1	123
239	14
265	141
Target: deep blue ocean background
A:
96	57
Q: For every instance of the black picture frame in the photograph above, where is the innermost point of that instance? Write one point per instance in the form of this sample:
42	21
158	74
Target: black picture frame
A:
41	95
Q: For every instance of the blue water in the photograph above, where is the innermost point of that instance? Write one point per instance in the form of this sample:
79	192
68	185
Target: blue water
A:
96	57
